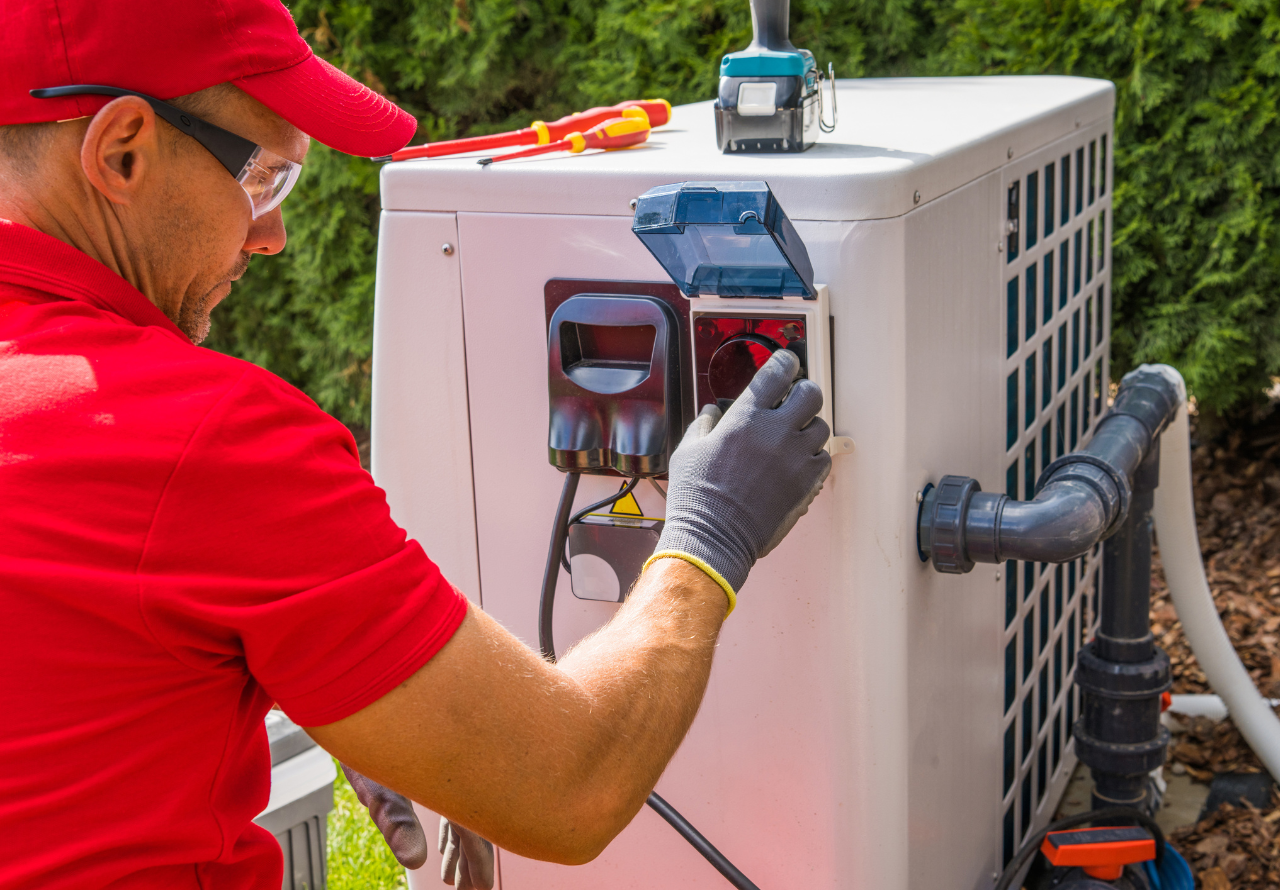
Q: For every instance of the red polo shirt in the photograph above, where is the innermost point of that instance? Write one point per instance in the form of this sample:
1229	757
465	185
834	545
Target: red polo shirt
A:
184	539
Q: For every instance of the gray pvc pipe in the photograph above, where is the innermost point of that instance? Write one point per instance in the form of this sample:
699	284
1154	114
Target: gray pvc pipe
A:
1063	521
1175	519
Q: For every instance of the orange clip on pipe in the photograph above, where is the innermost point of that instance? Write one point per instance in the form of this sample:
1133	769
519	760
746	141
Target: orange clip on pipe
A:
620	132
1101	852
655	112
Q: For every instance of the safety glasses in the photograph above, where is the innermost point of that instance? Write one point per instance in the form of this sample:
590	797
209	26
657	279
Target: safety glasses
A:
265	177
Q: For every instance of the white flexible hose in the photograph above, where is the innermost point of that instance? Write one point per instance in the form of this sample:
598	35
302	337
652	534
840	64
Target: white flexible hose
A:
1175	519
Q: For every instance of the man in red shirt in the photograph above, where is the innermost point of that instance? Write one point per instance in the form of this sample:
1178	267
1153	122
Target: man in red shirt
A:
186	539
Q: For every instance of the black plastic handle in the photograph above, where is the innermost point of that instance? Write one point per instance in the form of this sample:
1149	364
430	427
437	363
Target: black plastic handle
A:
771	25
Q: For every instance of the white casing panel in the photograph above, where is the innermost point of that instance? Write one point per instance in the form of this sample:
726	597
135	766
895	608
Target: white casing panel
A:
851	734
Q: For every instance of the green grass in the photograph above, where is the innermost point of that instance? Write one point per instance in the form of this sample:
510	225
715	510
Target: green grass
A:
358	857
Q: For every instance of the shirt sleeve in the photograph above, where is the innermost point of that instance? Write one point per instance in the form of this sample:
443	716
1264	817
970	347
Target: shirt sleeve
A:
273	553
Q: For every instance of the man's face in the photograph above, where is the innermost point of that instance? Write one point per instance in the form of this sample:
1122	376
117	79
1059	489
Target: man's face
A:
198	225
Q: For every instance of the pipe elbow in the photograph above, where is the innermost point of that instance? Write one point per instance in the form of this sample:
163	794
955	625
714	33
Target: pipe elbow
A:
1083	497
1064	520
961	525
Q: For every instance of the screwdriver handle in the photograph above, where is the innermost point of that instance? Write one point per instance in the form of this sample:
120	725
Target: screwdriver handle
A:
581	121
656	111
620	132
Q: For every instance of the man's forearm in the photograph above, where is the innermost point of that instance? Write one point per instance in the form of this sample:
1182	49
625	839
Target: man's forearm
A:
646	672
548	761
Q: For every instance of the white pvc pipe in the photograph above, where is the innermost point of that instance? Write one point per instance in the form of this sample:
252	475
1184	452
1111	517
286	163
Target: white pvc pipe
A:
1175	519
1201	705
1205	704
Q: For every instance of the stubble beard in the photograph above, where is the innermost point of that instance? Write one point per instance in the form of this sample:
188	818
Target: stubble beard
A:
194	318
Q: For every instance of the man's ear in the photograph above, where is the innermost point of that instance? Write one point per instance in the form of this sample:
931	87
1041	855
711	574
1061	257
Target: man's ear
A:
121	148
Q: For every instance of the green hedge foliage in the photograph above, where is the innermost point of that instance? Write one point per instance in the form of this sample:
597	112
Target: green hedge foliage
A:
1197	198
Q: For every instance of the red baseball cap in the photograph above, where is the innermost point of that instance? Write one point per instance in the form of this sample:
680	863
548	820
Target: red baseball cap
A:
168	48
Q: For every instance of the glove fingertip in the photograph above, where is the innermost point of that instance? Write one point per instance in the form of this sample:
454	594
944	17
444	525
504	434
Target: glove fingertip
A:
449	866
788	362
773	381
707	418
803	402
411	860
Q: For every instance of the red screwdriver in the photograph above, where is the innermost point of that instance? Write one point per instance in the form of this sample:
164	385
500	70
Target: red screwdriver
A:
657	112
620	132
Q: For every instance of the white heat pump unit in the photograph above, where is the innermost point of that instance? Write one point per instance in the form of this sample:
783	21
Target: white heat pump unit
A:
869	723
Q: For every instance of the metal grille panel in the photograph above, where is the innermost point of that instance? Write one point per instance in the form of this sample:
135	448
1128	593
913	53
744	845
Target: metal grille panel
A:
1056	297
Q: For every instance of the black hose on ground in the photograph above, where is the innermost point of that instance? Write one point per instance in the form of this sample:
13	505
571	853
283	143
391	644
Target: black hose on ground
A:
546	611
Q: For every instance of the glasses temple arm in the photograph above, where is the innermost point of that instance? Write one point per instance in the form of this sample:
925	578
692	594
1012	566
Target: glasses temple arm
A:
232	151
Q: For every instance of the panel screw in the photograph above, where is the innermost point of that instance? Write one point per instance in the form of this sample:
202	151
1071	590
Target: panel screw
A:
917	196
633	203
446	249
919	497
997	578
999	247
1010	152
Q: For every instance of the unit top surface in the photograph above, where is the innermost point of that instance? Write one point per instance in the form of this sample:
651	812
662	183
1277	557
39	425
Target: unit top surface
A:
895	137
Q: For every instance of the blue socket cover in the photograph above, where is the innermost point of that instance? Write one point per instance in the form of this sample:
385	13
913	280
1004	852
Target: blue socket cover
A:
728	239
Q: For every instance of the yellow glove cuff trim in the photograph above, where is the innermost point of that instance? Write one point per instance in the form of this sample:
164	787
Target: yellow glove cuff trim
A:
711	573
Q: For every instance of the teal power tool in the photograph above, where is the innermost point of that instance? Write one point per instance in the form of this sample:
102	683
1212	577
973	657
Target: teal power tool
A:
771	93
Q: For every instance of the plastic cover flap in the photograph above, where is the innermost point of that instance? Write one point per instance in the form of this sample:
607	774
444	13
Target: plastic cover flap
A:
728	239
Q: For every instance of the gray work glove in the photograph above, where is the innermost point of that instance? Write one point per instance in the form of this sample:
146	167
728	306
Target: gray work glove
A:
468	867
394	816
468	858
739	483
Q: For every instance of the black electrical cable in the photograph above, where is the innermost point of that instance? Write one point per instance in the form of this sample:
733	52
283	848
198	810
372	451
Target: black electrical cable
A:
1032	844
546	610
629	487
551	574
606	502
700	843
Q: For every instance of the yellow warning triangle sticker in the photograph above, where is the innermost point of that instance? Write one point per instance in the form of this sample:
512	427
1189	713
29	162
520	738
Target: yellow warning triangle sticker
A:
627	506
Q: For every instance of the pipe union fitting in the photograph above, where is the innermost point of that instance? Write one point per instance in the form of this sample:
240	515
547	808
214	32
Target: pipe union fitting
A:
944	513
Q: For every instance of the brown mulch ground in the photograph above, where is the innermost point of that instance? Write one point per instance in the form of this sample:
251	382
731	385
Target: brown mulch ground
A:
1237	488
1234	847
